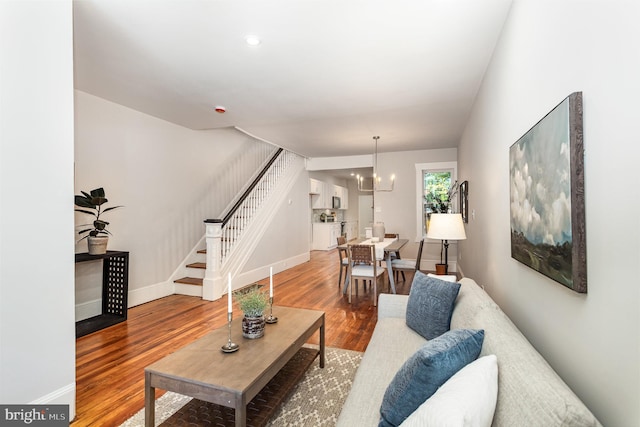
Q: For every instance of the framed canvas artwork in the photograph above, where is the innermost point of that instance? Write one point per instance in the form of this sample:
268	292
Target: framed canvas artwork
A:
548	231
464	200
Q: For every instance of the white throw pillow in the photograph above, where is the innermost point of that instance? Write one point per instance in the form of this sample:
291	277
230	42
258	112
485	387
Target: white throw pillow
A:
467	399
447	278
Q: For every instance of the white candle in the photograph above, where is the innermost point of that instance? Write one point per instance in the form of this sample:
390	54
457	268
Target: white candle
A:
271	282
229	295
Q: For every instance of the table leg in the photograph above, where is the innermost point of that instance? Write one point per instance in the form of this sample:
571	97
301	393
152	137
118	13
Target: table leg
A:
149	402
322	343
346	282
392	282
241	412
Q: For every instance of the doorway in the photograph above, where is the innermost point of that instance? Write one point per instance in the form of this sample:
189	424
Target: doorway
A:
365	213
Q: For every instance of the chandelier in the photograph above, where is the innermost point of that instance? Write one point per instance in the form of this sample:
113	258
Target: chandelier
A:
377	180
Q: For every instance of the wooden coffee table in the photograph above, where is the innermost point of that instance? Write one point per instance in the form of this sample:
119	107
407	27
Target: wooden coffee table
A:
201	370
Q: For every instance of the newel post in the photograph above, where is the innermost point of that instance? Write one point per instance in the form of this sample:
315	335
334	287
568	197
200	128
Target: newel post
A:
212	284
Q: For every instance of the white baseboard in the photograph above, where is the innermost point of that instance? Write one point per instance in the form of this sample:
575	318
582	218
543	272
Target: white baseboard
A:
63	396
163	289
151	293
252	276
88	309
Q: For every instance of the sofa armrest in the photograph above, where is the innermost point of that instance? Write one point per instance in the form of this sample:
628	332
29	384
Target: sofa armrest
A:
391	305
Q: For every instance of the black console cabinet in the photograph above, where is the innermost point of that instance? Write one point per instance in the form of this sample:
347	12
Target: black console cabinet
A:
115	288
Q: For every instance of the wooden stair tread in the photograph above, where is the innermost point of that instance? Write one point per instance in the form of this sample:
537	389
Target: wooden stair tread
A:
202	251
197	265
189	281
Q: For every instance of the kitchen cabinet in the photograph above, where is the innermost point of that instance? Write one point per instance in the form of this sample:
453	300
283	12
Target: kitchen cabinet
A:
319	199
344	199
315	186
321	195
325	235
343	193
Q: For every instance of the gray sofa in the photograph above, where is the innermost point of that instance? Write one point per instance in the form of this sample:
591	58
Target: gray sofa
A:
530	393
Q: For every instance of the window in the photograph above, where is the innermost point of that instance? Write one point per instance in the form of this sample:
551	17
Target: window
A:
433	181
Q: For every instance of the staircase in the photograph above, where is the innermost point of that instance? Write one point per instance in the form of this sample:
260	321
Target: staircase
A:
192	284
239	232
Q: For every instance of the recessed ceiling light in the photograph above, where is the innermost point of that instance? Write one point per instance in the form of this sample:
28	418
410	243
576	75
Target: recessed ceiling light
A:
220	109
252	40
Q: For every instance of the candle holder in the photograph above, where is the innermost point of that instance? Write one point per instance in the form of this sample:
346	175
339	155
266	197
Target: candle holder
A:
271	318
230	347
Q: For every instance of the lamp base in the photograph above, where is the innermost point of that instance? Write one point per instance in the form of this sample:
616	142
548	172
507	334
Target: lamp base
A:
441	269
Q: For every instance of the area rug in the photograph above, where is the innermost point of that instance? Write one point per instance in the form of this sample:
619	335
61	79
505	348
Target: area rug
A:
315	401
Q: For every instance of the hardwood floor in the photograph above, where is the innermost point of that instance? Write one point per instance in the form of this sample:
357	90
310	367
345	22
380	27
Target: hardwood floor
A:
110	363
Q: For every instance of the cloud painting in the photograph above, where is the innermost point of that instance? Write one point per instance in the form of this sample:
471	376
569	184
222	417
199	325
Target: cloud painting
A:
541	194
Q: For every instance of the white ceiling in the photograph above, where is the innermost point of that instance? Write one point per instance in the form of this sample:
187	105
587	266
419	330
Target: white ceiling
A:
328	75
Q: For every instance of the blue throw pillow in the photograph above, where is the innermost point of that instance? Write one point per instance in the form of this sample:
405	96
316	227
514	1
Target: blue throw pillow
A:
430	305
424	372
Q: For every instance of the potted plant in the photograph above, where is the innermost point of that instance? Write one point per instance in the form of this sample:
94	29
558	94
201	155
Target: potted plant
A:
252	301
92	204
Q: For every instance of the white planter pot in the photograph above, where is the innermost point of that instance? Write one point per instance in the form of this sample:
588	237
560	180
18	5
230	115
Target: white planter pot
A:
97	245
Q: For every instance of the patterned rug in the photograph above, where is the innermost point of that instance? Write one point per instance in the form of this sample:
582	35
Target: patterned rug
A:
315	401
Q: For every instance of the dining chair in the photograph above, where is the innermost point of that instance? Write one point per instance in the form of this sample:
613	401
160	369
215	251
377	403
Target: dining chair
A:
344	259
402	265
363	266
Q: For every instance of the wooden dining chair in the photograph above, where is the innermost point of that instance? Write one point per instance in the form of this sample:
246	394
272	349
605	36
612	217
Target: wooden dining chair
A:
344	259
363	266
402	265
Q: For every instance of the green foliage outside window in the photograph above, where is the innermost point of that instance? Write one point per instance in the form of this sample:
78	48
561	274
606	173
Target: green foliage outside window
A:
437	191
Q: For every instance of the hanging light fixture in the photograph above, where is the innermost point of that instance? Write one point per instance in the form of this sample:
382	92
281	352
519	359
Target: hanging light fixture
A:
377	180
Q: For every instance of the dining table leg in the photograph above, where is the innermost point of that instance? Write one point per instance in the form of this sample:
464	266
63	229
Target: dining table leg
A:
392	282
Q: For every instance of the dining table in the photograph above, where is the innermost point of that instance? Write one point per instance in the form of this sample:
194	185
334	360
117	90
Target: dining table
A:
383	248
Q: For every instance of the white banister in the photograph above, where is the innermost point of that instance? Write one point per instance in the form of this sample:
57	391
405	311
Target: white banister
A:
221	238
212	283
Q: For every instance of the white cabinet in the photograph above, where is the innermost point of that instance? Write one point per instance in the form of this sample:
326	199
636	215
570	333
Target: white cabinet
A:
344	199
343	193
321	195
319	199
325	235
315	186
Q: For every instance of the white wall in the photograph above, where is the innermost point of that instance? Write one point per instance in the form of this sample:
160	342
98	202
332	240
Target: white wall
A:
549	49
169	179
37	329
397	209
285	242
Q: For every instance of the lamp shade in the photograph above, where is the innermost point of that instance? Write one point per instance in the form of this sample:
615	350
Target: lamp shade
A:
446	227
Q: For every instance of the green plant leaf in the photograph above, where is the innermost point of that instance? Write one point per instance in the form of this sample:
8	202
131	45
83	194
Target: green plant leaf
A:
111	208
99	201
98	192
84	202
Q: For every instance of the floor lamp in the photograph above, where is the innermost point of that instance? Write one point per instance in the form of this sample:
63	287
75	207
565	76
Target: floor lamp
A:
446	227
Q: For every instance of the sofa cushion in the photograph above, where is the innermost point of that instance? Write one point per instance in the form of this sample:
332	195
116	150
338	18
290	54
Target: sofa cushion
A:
425	371
530	392
467	399
392	343
430	305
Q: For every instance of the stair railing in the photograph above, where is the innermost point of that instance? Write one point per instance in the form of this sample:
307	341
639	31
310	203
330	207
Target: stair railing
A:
222	234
